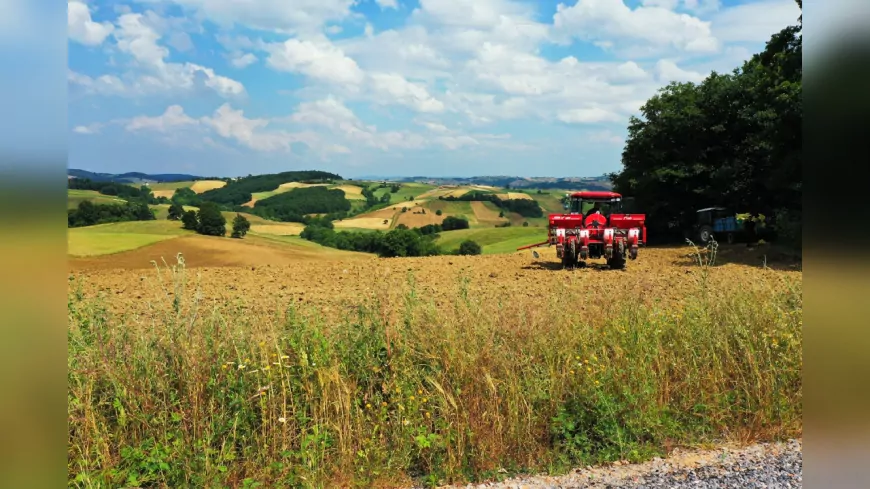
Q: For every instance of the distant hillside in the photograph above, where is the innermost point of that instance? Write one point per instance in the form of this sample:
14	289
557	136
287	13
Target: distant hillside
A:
131	177
566	183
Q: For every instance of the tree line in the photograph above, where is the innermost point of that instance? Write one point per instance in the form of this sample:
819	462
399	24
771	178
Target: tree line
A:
523	207
89	214
120	190
398	242
240	191
732	140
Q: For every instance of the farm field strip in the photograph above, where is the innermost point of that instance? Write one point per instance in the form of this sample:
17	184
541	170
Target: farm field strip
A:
201	186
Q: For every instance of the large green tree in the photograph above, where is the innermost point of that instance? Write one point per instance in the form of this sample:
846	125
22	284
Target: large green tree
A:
211	221
733	140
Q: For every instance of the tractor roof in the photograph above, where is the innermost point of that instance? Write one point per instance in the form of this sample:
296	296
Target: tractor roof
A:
595	194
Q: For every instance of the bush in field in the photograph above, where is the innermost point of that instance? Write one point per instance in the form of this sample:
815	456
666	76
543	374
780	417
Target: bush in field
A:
469	247
189	221
241	225
438	212
211	221
451	223
175	212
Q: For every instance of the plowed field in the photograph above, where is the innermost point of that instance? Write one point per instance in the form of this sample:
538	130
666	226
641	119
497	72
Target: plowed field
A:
261	278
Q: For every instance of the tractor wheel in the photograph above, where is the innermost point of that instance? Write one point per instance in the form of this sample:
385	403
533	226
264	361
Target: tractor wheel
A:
569	256
705	234
617	262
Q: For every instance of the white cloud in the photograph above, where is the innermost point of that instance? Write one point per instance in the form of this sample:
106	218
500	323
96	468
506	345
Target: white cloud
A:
318	60
587	115
648	28
172	119
137	37
296	17
668	71
88	129
385	4
395	88
243	60
755	22
82	29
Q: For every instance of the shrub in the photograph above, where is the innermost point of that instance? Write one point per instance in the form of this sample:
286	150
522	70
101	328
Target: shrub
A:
189	221
438	212
175	212
241	225
211	221
452	222
469	247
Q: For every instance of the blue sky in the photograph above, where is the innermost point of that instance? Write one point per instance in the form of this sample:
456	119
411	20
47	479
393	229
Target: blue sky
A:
386	87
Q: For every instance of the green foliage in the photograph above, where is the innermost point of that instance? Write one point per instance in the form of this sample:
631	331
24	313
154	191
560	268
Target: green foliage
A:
127	192
239	191
523	207
451	223
186	196
176	210
438	212
400	241
293	206
88	213
190	221
211	221
241	225
733	140
469	247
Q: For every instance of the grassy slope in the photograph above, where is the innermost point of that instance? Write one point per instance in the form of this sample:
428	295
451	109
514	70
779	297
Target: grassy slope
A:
74	197
116	237
492	240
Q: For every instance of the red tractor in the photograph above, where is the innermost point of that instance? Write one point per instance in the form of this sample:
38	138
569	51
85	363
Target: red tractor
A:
594	227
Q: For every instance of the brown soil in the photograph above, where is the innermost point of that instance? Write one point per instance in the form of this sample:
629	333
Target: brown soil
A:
207	251
262	275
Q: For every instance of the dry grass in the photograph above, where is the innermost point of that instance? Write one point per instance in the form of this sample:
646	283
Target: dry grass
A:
200	382
284	229
371	222
201	186
351	192
163	193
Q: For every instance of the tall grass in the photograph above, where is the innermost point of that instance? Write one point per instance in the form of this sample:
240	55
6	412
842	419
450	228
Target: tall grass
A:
404	392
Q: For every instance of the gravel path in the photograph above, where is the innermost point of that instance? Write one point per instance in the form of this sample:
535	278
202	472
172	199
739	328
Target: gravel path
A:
767	465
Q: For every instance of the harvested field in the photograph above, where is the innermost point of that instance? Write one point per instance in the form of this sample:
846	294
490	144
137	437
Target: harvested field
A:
163	193
413	219
365	222
401	359
486	213
284	229
321	277
351	192
514	196
206	185
209	251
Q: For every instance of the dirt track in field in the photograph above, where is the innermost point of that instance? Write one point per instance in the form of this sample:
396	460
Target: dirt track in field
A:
269	277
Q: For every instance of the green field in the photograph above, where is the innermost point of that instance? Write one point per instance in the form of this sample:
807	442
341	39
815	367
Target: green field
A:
169	185
407	190
116	237
74	197
492	240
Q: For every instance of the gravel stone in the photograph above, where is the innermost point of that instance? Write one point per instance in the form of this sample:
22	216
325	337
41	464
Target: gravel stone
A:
763	465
